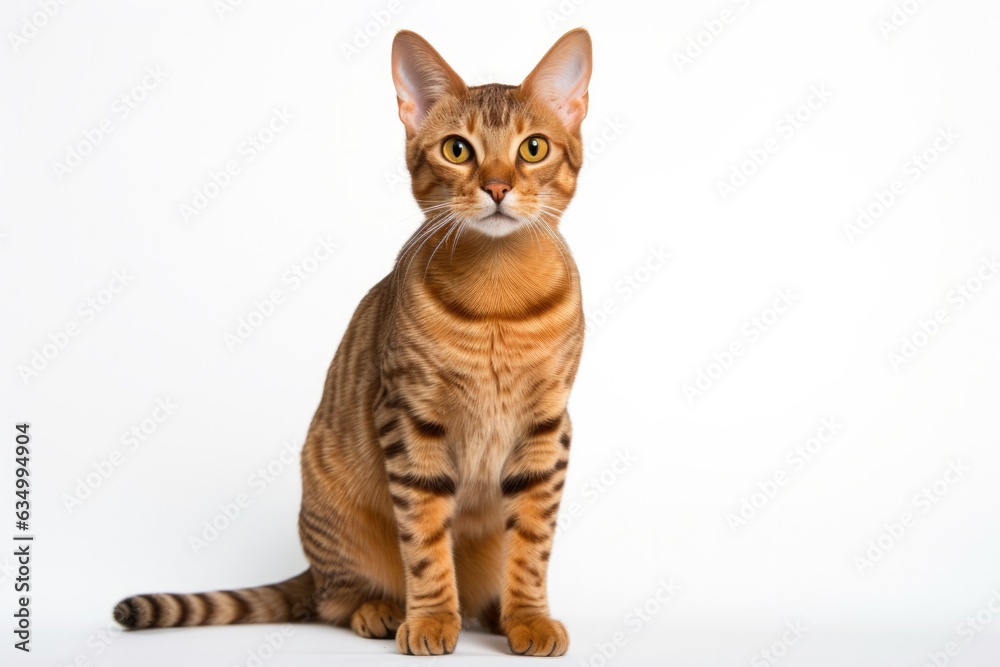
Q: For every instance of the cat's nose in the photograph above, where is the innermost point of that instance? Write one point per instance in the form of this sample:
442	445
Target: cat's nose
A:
497	189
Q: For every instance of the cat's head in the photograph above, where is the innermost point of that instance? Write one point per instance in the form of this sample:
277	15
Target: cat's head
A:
493	158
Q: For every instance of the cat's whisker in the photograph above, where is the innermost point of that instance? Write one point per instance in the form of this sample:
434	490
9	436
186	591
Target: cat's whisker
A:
458	237
531	228
443	239
427	236
420	212
557	240
430	226
416	237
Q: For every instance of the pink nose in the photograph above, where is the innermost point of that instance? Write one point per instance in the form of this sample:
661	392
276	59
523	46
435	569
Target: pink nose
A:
497	189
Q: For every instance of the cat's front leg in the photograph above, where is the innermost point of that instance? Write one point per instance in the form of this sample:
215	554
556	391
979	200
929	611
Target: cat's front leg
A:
531	486
422	484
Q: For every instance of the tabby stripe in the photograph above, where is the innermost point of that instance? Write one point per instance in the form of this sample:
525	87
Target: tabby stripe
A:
426	428
432	595
317	556
209	607
519	579
395	449
399	501
125	613
561	465
242	606
550	510
418	569
397	403
388	427
529	536
284	597
525	565
564	440
439	535
315	527
185	609
519	483
441	485
545	427
154	608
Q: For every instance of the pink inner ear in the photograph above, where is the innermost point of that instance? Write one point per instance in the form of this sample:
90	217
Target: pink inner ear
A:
562	77
421	76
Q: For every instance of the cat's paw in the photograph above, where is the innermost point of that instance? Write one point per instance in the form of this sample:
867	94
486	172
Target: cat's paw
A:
376	619
436	634
537	635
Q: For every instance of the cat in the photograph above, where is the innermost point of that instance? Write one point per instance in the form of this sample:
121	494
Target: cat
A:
434	466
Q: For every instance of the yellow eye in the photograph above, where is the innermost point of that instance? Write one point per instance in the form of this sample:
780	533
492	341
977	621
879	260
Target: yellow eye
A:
533	149
456	149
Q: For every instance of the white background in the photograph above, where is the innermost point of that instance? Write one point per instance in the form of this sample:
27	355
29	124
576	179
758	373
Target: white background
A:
661	137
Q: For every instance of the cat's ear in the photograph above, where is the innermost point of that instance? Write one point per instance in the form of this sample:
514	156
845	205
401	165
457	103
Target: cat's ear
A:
421	77
562	77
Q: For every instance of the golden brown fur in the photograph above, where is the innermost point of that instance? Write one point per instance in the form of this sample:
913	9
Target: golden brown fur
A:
434	466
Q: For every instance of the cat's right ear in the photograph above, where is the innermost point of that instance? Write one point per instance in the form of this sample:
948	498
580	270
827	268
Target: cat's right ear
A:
421	77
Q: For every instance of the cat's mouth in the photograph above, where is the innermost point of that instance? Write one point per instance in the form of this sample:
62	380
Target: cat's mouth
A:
496	224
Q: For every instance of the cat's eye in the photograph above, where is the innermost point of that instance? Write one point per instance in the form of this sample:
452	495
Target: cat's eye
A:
456	150
533	149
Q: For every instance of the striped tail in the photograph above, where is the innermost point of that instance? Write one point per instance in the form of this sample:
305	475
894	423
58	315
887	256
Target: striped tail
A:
290	600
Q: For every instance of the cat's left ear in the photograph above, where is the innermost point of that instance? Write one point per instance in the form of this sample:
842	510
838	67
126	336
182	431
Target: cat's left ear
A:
421	77
562	77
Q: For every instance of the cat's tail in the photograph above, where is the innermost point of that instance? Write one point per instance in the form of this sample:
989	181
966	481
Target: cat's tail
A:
287	601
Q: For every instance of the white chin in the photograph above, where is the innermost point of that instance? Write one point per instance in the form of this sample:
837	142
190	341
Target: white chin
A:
496	225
